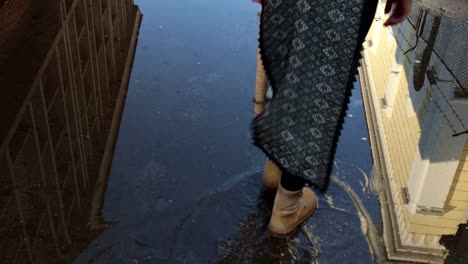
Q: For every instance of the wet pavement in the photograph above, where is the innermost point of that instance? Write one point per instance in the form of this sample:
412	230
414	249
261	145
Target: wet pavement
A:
185	181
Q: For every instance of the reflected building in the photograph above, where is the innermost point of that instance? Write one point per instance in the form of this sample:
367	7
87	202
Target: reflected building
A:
64	71
414	78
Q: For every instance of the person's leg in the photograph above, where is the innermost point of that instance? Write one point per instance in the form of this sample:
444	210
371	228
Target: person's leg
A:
291	182
271	175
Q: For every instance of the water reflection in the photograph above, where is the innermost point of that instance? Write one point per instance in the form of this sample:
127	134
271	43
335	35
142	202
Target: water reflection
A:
184	183
253	243
416	115
69	72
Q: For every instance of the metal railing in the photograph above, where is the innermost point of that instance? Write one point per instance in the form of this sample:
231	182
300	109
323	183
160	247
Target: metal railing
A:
450	41
51	156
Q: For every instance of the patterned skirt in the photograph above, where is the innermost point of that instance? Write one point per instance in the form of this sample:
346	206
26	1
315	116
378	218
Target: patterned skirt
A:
310	50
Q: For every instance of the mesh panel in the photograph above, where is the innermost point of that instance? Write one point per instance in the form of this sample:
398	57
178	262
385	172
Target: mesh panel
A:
451	45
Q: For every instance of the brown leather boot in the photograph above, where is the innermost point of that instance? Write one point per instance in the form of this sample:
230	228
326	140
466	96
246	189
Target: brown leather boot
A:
271	175
290	210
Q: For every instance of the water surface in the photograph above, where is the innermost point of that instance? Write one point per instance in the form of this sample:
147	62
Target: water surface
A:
185	181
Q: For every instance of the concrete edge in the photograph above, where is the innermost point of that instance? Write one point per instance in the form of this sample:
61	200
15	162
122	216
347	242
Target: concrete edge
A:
101	184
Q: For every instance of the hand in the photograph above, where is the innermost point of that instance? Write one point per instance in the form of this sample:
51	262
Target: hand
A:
401	9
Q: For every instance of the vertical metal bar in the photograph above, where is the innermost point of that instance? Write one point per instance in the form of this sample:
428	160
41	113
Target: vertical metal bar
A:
96	62
104	50
75	105
43	179
91	61
17	253
111	40
121	28
96	49
54	163
39	225
87	131
71	209
78	90
67	125
124	18
119	35
19	205
72	89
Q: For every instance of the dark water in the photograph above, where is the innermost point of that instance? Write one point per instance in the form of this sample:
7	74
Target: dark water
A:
185	181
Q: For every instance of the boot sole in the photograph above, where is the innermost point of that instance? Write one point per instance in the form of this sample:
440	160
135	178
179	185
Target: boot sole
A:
279	234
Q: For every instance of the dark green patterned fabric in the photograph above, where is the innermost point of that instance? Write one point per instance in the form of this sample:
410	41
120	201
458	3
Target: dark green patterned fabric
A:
310	49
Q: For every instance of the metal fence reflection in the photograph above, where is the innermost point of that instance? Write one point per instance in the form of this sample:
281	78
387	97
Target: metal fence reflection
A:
58	149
